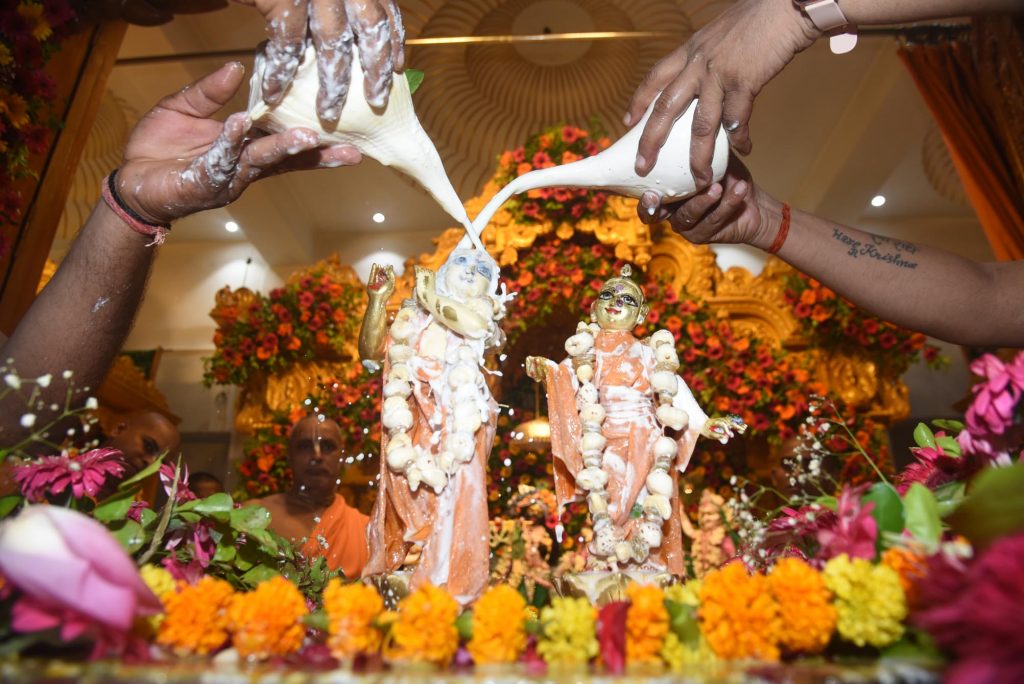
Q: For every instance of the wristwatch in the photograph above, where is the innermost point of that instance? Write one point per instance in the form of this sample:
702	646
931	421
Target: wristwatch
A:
827	16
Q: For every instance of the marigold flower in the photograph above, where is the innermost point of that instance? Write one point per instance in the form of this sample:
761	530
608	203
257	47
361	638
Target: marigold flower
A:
196	619
267	621
499	626
646	623
910	567
568	635
352	610
808	616
738	615
159	582
425	629
869	600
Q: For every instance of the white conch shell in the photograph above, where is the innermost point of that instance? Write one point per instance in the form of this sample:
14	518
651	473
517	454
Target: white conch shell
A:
623	551
597	504
665	353
394	404
587	393
401	457
392	135
585	372
591	479
662	337
604	542
664	381
397	388
461	375
665	447
650	533
399	353
673	417
400	371
659	482
434	477
613	169
400	419
579	343
401	330
592	414
656	503
593	441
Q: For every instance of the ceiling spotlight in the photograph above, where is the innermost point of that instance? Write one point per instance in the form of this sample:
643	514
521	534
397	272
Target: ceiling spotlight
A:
378	217
878	200
231	227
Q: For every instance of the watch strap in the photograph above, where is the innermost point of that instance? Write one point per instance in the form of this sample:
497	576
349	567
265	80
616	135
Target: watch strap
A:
827	16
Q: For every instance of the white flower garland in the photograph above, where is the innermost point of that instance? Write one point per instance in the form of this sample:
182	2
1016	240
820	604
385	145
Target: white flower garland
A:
462	397
608	542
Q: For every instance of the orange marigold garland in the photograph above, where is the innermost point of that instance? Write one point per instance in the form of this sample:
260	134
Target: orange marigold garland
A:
352	610
646	623
499	626
738	615
425	628
196	619
805	604
267	621
910	567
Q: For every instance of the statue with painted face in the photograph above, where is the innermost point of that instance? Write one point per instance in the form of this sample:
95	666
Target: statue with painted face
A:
623	427
439	421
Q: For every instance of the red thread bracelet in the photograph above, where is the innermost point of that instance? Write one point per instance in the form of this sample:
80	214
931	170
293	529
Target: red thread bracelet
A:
783	231
158	231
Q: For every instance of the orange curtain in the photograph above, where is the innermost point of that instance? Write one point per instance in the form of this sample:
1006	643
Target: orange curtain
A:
972	89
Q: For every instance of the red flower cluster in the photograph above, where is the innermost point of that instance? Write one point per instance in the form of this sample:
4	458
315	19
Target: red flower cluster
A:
827	319
352	400
316	316
30	32
557	145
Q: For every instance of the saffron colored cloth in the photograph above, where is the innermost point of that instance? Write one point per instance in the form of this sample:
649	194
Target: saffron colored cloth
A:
344	530
622	375
451	527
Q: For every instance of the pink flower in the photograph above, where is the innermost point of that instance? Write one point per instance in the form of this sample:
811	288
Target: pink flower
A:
183	493
935	467
72	574
795	532
85	474
611	635
996	395
976	612
854	531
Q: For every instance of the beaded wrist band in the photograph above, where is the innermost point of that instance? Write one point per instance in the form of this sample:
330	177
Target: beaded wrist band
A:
783	231
158	231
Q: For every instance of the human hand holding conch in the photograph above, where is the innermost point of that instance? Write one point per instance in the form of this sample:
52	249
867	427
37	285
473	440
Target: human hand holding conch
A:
381	283
723	429
536	368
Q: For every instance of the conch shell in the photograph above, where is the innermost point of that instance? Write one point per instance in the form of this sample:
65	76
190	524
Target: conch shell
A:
392	135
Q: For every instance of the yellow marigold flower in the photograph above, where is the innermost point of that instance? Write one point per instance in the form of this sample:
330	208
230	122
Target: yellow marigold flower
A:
687	594
425	629
681	657
33	14
646	623
568	635
352	610
267	621
159	582
196	619
808	616
908	565
499	626
738	615
869	599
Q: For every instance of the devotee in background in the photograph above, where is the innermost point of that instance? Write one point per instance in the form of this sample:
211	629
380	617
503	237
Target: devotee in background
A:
180	160
204	484
142	436
726	64
311	514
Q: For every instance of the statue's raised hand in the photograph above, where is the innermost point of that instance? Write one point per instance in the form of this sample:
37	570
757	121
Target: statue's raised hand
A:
336	26
381	283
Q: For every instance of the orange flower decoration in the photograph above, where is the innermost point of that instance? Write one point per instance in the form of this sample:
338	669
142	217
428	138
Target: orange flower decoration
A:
908	565
738	614
425	629
352	610
196	617
499	626
646	623
268	620
805	603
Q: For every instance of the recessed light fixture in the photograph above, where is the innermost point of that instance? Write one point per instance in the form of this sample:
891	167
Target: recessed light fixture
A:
378	217
878	200
231	227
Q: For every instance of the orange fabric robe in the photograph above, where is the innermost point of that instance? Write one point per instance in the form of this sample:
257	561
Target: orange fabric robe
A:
343	528
622	375
452	526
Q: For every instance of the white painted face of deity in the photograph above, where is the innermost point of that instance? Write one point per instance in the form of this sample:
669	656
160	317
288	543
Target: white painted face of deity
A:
468	273
619	305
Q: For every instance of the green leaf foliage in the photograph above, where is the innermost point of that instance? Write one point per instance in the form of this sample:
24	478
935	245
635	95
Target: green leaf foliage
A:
888	509
994	506
921	512
415	79
923	436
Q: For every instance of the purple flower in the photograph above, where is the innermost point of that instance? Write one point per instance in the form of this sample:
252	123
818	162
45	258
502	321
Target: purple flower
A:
854	530
84	473
975	611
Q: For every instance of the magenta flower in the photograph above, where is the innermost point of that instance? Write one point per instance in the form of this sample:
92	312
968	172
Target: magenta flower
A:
183	493
934	467
976	612
611	635
196	539
996	395
854	531
71	574
795	533
85	474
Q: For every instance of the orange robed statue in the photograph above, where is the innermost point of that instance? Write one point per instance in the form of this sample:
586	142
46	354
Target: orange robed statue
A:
439	420
610	404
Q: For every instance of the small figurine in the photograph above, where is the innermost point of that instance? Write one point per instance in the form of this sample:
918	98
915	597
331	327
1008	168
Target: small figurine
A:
439	421
610	405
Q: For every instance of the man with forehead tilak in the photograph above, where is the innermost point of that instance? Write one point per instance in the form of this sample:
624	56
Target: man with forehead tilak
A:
311	514
623	426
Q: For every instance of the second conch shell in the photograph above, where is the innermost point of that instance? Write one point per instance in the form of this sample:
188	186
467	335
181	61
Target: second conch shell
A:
392	135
